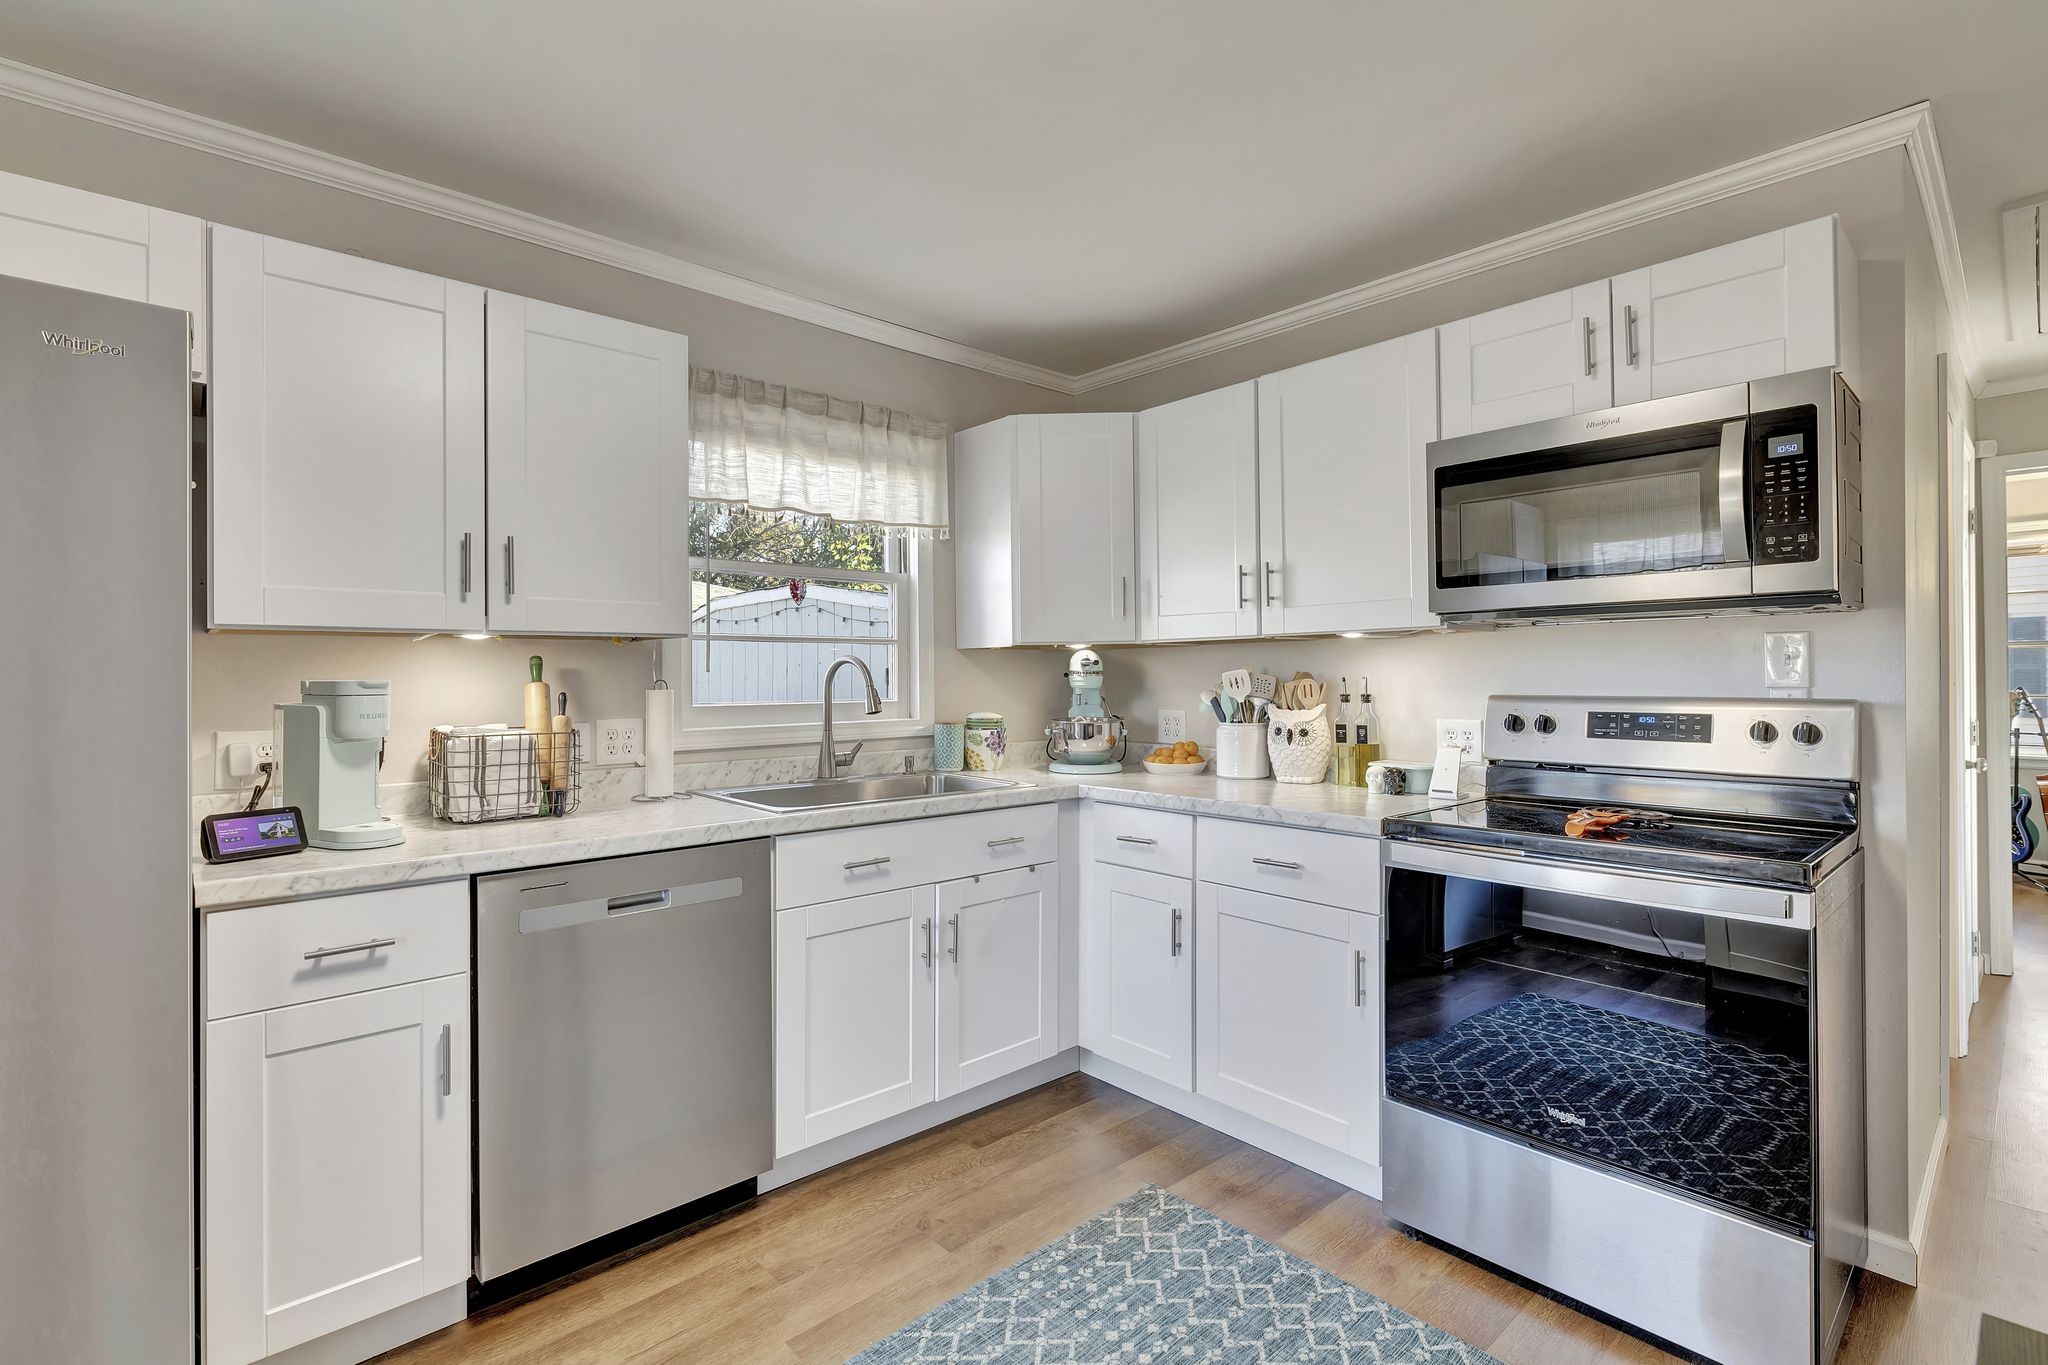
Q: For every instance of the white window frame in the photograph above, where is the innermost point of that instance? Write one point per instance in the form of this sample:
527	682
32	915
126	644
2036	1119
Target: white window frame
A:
906	716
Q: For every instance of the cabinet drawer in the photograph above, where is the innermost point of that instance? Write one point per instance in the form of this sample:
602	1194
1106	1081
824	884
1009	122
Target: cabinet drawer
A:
271	955
1306	864
834	864
1151	840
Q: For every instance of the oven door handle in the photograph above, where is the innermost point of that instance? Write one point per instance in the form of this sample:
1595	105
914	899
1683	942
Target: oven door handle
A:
1735	491
1651	890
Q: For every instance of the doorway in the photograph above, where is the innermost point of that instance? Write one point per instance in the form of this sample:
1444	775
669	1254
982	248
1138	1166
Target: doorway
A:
2012	571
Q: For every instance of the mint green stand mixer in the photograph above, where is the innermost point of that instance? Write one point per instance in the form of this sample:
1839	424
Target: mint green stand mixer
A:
1089	740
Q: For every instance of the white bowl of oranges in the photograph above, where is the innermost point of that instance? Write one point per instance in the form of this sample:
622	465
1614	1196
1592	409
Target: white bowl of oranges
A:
1183	758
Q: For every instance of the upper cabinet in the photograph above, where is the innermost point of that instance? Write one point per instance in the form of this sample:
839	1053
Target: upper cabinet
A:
1199	573
1527	362
588	433
80	240
1043	531
351	437
1343	518
1774	304
346	451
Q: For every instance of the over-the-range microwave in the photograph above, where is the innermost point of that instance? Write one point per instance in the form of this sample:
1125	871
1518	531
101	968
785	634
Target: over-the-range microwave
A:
1746	497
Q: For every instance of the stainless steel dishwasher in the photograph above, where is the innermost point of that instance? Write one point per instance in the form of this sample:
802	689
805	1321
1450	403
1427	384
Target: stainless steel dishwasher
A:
624	1044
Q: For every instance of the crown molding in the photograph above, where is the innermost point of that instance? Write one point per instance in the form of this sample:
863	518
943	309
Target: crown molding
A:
2026	383
1911	128
67	95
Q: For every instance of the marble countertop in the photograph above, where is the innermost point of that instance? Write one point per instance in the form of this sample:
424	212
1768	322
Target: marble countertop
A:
437	851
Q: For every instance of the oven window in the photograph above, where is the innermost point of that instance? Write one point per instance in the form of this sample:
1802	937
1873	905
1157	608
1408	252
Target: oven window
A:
1542	517
1667	1045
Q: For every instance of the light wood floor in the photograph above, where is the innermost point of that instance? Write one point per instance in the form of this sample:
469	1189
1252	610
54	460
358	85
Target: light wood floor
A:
819	1270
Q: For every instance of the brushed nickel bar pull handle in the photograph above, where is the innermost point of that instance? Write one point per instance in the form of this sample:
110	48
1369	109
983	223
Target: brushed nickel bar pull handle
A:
1243	598
1176	931
927	943
954	951
1634	355
466	538
1005	843
1277	862
1589	344
508	568
1134	839
864	862
1123	596
1271	600
1358	978
447	1060
368	945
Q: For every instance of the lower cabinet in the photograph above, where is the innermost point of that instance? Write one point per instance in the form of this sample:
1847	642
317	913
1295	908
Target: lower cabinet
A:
1287	1014
1137	966
890	1001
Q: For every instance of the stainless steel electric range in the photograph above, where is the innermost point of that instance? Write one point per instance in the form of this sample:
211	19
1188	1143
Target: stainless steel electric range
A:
1625	1016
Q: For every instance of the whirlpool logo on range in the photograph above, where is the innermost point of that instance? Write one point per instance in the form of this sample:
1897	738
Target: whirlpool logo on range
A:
64	341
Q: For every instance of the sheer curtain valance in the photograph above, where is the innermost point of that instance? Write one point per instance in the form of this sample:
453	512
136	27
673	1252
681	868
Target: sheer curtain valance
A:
771	448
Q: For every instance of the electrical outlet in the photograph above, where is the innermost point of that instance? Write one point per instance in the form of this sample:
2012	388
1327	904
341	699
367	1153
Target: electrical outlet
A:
1461	734
618	742
1173	726
262	749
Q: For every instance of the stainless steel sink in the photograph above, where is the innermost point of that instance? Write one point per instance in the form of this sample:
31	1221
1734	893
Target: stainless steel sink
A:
823	793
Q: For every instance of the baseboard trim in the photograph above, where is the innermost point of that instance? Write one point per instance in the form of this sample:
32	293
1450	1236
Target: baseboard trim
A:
1337	1166
1898	1258
847	1146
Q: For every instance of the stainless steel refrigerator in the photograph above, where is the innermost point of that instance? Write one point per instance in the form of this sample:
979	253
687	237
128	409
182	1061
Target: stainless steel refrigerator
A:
96	1090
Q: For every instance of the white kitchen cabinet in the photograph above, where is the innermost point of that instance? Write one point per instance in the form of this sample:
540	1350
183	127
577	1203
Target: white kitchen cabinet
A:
1137	965
1343	496
997	977
588	434
1199	569
1288	1015
336	1163
1533	360
346	453
853	1013
1043	531
81	240
1772	304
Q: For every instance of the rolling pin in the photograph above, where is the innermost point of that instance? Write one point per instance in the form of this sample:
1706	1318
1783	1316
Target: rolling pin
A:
564	745
537	724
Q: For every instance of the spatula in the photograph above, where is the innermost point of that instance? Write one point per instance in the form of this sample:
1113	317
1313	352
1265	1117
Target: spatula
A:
1237	685
1265	685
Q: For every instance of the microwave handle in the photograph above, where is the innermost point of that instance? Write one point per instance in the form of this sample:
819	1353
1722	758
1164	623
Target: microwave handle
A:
1734	491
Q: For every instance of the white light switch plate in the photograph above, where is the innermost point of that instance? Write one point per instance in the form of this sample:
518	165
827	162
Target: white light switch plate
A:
1788	663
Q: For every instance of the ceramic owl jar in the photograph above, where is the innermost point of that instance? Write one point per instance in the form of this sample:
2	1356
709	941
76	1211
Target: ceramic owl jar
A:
1298	742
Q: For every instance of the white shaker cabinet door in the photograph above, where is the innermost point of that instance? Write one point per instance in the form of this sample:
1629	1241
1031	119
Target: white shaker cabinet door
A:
853	1014
80	240
1137	964
1528	362
589	438
1075	529
1766	305
1288	1015
1343	489
1199	575
336	1164
346	455
998	976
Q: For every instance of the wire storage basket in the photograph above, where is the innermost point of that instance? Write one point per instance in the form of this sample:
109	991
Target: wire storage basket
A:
477	773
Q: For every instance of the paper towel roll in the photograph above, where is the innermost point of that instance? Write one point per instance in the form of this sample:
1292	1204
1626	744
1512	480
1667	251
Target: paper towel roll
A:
658	742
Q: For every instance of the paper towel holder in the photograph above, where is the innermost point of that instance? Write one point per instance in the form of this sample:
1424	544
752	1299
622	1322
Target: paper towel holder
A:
647	736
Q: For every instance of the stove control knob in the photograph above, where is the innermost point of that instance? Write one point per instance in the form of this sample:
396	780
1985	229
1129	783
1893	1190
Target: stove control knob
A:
1546	725
1763	732
1513	723
1806	734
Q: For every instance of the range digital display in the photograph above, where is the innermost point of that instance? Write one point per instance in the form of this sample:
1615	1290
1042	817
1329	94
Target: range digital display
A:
1669	727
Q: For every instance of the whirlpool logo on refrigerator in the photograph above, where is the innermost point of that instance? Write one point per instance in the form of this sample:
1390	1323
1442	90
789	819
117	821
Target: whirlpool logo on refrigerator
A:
64	341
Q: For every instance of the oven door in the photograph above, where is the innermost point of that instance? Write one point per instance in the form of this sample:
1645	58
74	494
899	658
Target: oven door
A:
1639	504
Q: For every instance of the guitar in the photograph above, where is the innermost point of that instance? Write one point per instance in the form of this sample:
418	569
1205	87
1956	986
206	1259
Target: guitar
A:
2026	835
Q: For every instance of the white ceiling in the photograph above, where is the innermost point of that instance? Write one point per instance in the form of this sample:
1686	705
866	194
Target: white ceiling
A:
1072	183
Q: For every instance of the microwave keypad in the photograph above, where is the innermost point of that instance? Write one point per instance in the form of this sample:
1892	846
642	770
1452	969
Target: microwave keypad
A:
1788	503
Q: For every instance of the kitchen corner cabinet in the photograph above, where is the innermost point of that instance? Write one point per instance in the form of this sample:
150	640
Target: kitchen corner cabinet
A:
1772	304
346	450
335	1145
1541	358
588	438
1343	496
1199	571
1043	531
80	240
1137	965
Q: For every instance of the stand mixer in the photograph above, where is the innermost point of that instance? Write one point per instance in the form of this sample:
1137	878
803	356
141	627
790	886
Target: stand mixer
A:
1089	740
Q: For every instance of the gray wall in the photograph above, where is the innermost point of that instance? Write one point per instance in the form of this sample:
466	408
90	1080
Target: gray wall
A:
2018	422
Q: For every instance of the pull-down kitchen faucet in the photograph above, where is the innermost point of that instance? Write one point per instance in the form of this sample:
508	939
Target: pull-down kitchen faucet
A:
830	760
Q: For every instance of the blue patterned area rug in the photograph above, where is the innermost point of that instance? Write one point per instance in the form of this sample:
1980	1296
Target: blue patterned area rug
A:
1158	1281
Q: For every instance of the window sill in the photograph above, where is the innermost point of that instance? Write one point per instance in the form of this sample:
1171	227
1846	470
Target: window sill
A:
806	732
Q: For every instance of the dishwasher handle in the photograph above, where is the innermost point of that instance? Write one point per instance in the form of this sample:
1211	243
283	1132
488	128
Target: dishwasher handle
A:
639	904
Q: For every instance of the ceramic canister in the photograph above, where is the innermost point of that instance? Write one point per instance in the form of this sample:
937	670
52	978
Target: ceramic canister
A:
1298	743
984	741
948	739
1241	751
